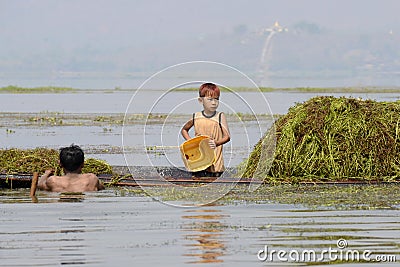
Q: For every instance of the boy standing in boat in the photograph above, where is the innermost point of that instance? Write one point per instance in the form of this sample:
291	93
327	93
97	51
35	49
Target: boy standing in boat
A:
211	123
71	160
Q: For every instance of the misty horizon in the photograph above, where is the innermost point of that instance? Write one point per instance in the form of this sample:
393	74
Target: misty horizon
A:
138	36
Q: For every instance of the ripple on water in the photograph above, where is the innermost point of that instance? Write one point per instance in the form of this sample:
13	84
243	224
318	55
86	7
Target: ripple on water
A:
106	228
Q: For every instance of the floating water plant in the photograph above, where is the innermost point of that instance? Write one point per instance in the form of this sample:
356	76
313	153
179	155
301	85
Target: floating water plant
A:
330	139
40	159
44	89
97	166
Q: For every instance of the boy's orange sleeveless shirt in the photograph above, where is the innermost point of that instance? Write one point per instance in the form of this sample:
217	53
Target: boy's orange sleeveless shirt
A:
212	128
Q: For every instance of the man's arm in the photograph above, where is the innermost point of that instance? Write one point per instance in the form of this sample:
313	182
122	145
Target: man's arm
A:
95	184
42	183
100	185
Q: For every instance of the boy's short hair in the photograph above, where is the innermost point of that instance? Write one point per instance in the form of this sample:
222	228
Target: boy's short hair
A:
71	157
209	90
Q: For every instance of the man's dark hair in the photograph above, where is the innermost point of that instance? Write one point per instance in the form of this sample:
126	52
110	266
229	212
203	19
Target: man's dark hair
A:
71	157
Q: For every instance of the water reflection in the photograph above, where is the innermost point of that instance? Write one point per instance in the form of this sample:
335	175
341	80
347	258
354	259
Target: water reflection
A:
72	249
72	244
109	230
72	241
205	234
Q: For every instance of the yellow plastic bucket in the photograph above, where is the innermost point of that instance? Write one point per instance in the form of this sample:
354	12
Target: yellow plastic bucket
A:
197	155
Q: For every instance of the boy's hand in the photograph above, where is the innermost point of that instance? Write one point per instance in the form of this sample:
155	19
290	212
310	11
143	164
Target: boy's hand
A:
212	144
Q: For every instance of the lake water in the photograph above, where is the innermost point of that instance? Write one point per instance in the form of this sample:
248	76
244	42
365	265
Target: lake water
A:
109	229
99	139
197	71
163	102
116	228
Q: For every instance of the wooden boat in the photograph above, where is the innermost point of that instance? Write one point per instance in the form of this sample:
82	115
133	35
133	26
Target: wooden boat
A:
143	176
166	176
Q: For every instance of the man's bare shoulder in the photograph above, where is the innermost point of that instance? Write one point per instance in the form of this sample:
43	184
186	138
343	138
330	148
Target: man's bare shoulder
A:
90	176
56	183
93	181
54	179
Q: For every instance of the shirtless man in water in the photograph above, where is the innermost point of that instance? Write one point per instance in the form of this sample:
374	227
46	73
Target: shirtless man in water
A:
71	160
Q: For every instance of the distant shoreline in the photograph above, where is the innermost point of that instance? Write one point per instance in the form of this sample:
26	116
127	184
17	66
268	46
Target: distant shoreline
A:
59	90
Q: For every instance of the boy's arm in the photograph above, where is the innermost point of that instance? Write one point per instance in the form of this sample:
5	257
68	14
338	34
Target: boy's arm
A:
226	137
186	128
42	183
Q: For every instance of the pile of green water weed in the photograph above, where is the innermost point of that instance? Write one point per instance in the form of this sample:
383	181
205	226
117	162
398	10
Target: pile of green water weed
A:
96	166
331	139
19	161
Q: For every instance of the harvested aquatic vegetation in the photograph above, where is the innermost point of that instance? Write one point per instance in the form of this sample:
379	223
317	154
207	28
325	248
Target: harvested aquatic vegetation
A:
28	161
97	166
328	138
41	159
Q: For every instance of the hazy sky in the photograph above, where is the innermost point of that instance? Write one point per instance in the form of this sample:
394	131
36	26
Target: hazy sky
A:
41	23
45	31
